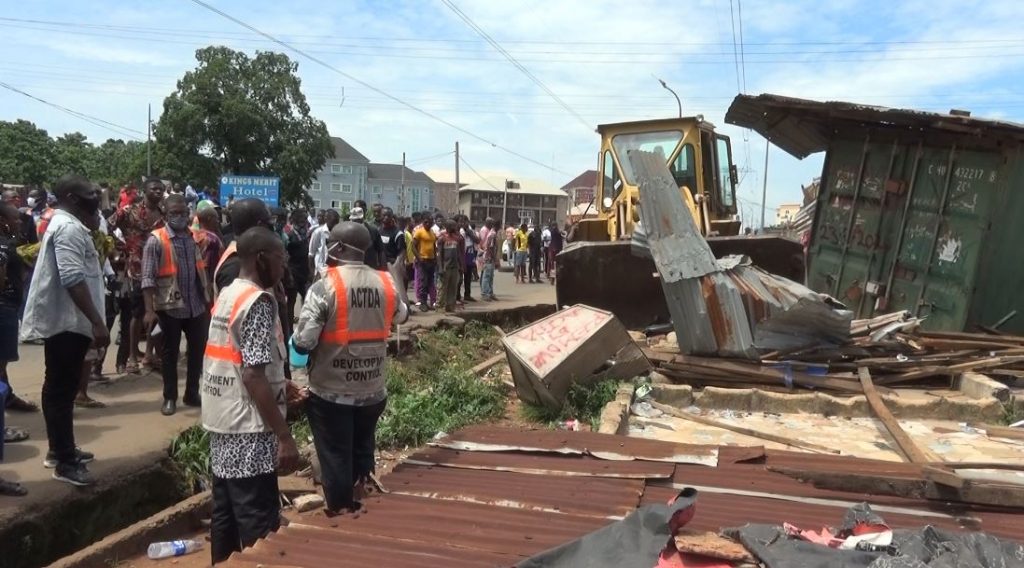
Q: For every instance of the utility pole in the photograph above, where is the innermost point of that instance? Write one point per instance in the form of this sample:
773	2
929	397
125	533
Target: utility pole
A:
401	194
457	176
764	186
504	206
149	141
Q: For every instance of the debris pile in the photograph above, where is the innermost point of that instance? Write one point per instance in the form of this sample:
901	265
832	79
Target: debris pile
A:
725	306
891	347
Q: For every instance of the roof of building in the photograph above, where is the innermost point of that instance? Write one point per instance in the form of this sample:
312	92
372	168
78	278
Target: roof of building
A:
586	179
493	496
344	151
394	172
526	186
803	127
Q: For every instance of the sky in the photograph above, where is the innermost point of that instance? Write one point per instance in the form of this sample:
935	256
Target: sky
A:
109	59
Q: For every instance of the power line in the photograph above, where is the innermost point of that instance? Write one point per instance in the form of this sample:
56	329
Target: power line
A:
473	25
223	33
482	178
323	63
428	158
113	127
735	47
743	59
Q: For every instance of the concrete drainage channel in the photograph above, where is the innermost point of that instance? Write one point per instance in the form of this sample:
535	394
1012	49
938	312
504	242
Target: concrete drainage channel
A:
105	525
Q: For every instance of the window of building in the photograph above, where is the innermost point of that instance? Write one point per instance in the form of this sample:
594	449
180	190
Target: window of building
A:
531	200
336	187
346	169
316	204
376	190
415	199
336	203
346	188
335	168
346	206
315	186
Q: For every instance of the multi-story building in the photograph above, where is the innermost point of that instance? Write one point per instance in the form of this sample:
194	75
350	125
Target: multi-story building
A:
582	189
384	185
446	197
342	179
786	213
530	201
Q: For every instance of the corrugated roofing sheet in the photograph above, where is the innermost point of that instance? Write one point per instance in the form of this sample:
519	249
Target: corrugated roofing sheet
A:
803	127
469	509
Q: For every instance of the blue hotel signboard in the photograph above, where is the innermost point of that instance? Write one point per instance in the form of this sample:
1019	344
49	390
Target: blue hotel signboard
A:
265	188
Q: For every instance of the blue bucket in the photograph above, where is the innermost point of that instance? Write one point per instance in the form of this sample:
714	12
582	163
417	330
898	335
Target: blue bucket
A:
296	360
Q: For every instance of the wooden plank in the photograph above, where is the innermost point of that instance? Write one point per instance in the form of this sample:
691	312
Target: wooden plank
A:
741	430
942	476
908	449
1001	431
972	493
487	364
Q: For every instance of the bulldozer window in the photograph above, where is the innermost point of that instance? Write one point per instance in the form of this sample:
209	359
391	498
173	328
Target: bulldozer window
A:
726	189
661	142
611	183
684	170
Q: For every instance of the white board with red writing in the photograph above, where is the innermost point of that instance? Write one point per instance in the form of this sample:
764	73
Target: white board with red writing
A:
545	344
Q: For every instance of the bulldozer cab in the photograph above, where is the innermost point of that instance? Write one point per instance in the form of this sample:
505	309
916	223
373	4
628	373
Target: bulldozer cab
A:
700	161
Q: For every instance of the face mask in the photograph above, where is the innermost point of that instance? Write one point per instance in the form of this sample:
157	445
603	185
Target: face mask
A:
31	202
89	205
333	247
177	222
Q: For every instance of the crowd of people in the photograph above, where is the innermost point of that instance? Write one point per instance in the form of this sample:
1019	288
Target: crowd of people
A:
164	261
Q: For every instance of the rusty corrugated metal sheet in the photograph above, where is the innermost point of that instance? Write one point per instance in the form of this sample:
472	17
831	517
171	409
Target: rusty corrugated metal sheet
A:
803	127
494	438
468	517
473	526
542	464
591	496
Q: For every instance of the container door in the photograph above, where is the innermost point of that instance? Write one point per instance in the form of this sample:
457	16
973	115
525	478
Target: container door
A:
936	266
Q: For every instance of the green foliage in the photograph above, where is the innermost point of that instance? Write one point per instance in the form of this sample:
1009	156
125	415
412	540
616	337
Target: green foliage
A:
26	153
190	450
244	115
584	403
1013	412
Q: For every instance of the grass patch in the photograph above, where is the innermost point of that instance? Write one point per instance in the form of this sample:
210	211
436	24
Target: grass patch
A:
1012	412
431	391
584	403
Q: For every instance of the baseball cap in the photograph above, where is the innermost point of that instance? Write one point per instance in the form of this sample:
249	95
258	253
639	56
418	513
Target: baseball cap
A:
356	214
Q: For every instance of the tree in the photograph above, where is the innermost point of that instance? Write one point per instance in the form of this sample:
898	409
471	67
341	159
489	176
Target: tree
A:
244	115
118	161
73	154
26	153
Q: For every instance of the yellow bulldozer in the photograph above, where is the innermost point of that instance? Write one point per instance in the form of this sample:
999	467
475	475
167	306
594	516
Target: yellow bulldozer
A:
606	263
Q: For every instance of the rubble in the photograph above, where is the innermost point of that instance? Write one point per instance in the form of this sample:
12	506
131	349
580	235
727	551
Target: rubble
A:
308	502
725	307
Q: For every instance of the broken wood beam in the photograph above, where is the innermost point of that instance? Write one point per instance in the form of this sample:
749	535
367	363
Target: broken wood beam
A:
1000	431
488	363
671	411
972	492
908	449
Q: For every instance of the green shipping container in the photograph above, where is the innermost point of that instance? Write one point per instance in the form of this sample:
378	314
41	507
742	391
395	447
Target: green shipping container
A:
917	211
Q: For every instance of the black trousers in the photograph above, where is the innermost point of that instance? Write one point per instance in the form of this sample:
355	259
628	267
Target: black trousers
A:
244	510
534	265
467	279
345	442
64	355
127	314
195	329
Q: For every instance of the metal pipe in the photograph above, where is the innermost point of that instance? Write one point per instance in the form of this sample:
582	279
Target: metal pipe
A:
878	228
764	185
938	225
853	214
903	223
149	143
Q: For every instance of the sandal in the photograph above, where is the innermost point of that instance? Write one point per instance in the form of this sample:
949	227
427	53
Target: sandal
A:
132	368
12	435
19	404
89	403
12	489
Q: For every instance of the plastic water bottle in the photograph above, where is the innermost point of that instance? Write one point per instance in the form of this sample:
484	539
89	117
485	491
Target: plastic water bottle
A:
296	360
159	550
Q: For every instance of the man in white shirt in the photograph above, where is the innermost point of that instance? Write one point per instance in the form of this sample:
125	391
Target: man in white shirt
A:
318	244
64	310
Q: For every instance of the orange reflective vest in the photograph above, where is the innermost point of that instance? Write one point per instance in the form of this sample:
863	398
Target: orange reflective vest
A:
168	295
349	357
227	406
229	251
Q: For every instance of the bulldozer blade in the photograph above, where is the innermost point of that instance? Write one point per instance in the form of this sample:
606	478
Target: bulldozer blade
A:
617	277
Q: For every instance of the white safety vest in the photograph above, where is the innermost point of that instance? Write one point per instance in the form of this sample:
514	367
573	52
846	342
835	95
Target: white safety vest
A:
227	406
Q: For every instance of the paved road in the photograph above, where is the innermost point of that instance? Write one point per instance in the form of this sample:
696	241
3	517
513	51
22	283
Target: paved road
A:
131	428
